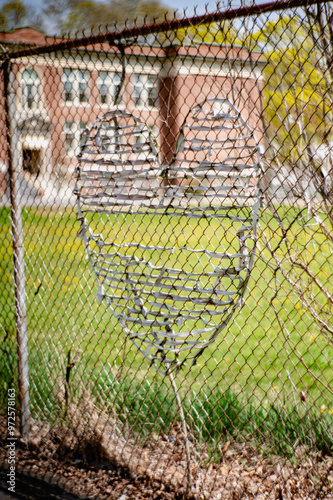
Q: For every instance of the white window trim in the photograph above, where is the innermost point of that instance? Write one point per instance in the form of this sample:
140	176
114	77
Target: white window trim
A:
143	80
77	129
75	80
22	105
112	76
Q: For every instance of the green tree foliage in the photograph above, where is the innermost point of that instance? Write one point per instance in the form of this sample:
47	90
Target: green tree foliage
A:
88	14
152	11
12	15
298	92
85	15
298	112
56	12
220	33
217	33
78	16
3	22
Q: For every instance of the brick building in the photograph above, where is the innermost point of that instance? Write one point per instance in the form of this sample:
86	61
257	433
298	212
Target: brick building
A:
58	94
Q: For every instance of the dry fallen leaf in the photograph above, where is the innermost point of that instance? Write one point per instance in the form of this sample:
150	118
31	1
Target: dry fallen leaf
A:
225	447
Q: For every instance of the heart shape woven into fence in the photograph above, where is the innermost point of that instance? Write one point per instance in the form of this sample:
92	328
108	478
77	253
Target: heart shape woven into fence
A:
172	246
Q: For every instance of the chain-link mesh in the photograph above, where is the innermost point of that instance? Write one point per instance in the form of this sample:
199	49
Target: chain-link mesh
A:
172	296
182	174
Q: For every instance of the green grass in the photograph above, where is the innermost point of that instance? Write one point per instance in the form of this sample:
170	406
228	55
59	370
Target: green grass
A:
254	358
148	410
216	416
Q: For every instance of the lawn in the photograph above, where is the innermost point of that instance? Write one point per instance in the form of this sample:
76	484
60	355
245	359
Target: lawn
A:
266	360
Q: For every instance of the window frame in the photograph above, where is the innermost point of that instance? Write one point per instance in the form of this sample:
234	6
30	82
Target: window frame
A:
35	96
75	85
144	85
111	81
76	129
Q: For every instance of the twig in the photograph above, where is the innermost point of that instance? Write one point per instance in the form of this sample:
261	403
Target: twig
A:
184	429
69	368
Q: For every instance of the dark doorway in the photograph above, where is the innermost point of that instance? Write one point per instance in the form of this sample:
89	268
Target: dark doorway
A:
32	161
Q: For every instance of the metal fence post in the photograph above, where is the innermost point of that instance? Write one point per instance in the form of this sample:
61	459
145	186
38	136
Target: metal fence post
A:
14	169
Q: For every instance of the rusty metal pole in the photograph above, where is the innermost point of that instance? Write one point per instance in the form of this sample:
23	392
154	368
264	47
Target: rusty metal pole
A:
14	170
171	119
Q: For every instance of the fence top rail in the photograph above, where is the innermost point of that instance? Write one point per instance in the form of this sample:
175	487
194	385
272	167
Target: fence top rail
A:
118	38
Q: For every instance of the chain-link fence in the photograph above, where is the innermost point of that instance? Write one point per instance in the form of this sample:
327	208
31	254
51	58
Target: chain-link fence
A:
166	256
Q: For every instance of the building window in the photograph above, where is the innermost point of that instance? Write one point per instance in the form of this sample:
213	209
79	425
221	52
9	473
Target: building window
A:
108	84
74	136
145	141
154	130
108	141
138	90
30	88
139	136
141	139
76	86
152	91
104	85
83	77
145	90
69	136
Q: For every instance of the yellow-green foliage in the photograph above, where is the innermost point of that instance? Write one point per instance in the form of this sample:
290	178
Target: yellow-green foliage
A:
272	349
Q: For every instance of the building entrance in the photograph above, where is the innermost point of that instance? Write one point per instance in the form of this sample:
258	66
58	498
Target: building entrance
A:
32	161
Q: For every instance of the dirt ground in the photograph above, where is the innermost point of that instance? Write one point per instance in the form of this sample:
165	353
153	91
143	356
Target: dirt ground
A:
103	465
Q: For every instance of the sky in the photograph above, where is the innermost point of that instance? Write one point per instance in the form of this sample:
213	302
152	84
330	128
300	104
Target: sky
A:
201	6
179	5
